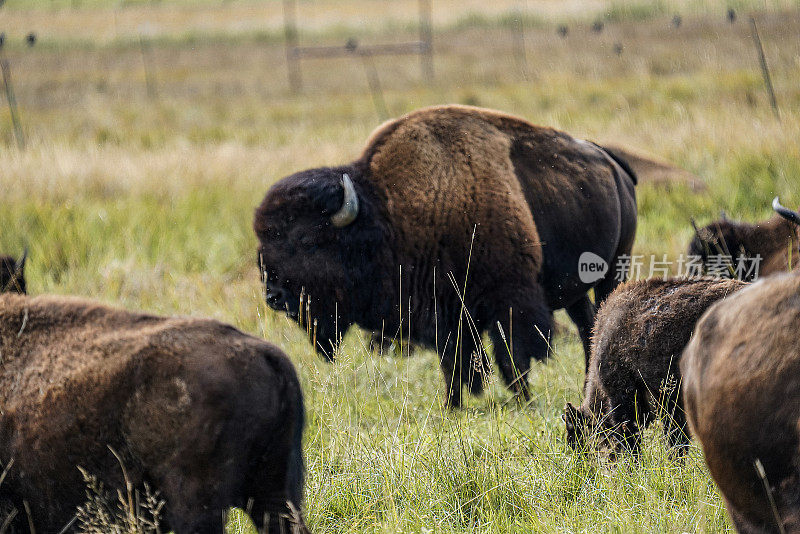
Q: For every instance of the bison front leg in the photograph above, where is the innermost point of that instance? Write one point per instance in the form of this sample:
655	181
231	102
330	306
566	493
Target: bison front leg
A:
521	331
457	357
630	412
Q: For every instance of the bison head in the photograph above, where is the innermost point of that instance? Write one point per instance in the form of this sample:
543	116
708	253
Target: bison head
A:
578	424
12	274
318	243
594	428
720	238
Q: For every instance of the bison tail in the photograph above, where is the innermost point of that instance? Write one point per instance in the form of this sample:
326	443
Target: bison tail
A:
619	158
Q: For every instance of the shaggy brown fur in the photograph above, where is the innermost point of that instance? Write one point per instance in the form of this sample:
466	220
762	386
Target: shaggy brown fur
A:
12	274
639	335
741	385
208	415
469	220
775	240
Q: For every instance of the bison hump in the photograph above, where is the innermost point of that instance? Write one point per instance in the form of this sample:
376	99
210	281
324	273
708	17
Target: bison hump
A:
444	173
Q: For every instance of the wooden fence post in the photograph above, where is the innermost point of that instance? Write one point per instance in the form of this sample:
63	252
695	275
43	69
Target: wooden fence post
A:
764	68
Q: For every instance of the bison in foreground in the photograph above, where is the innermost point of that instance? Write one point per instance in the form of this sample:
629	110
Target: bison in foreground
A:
209	416
455	220
741	387
775	241
639	335
12	274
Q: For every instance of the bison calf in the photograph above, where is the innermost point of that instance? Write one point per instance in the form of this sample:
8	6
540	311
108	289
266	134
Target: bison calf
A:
12	274
773	243
741	385
639	335
209	416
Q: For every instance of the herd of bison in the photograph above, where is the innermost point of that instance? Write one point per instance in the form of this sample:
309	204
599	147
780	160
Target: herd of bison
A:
454	222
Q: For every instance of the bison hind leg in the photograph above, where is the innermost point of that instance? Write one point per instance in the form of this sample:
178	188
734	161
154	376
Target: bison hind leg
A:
274	486
521	330
582	313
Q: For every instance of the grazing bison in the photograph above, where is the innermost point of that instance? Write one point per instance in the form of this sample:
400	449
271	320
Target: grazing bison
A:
741	387
209	416
455	220
639	335
775	241
12	274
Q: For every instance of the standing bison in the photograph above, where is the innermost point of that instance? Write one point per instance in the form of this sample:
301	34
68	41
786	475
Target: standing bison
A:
741	387
455	220
773	243
209	416
12	274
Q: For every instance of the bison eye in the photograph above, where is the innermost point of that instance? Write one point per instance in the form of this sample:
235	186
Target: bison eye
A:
307	241
272	233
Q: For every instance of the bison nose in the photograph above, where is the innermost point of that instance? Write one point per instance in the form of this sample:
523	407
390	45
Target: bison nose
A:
276	298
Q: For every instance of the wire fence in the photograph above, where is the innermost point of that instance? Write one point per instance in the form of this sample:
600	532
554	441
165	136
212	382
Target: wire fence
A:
368	35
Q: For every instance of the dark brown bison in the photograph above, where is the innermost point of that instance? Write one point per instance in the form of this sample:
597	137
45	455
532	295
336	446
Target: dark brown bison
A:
455	220
741	387
12	274
639	335
775	241
209	416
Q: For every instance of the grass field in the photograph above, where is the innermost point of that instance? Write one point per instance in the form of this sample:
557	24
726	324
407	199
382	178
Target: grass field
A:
146	202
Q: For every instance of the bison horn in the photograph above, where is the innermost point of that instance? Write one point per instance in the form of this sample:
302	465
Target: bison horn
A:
785	212
349	210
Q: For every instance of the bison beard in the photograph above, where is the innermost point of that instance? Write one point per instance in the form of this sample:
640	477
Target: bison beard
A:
464	221
210	417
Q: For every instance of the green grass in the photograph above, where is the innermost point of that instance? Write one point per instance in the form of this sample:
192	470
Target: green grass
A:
148	205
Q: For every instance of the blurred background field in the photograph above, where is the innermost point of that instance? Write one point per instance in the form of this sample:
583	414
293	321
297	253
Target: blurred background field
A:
143	196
